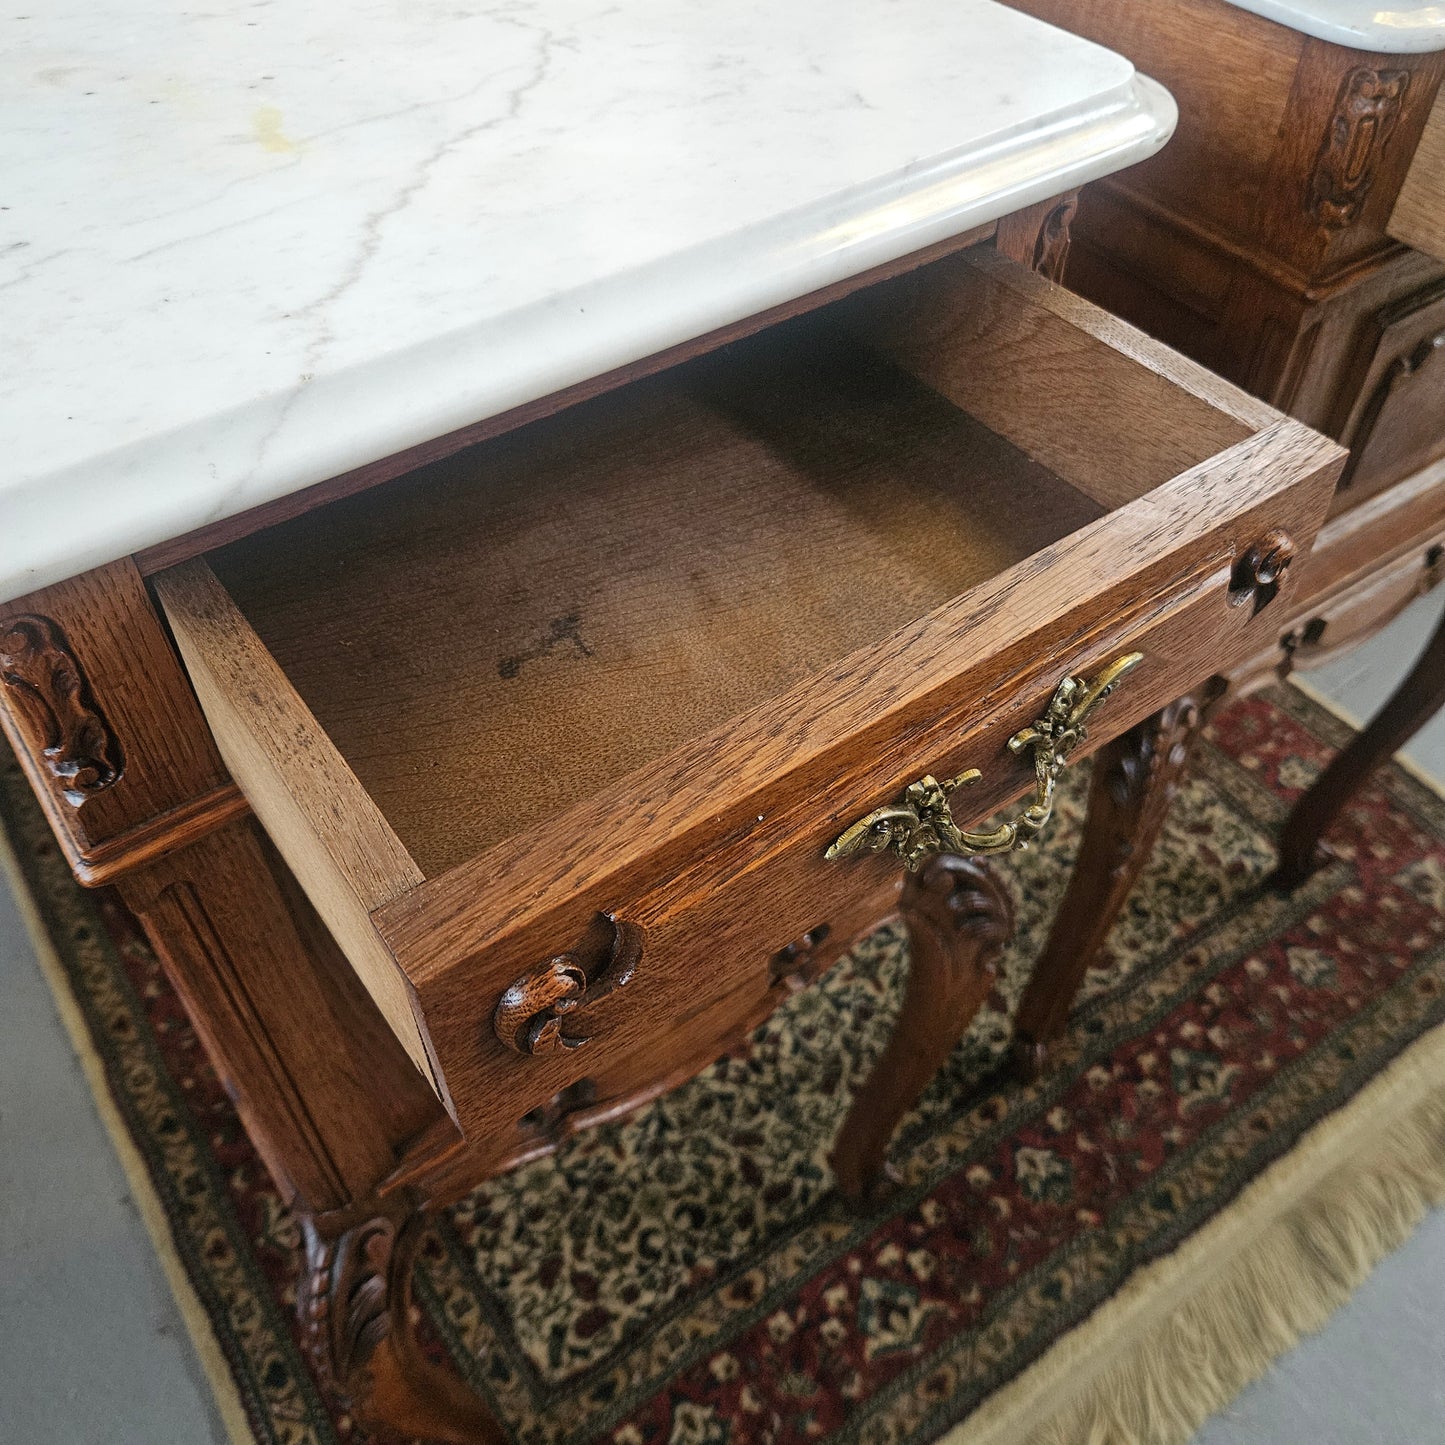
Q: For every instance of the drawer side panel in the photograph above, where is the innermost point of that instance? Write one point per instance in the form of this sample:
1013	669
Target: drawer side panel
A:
330	833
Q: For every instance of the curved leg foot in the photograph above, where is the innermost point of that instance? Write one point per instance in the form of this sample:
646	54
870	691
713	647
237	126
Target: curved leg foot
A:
1135	778
1301	847
958	917
354	1304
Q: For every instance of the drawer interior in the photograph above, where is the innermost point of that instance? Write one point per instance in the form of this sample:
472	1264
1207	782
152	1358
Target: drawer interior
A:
497	635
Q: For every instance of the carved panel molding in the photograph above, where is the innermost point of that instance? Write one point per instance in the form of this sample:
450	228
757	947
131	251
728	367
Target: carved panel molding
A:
53	697
1367	110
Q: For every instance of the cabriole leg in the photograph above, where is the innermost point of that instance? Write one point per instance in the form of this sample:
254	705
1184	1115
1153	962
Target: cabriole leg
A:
1422	694
354	1306
1135	778
958	918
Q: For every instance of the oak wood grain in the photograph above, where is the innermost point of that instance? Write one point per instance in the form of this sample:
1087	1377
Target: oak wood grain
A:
1418	218
1231	74
321	1083
331	833
486	642
1260	240
204	539
971	329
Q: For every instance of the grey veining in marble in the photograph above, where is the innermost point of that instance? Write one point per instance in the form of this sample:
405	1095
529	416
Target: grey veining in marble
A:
248	246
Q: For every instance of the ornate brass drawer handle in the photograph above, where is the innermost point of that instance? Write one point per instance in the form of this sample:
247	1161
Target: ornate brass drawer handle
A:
922	824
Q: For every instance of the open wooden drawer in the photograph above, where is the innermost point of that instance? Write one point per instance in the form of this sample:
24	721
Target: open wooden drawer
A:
556	732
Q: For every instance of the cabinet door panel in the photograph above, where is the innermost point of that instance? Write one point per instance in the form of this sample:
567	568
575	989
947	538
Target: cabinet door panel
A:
1396	421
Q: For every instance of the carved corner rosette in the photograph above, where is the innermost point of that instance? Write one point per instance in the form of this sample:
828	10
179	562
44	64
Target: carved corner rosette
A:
1367	110
538	1013
52	695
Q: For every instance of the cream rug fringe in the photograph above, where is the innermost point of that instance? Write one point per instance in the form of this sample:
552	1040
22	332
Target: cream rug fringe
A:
1187	1333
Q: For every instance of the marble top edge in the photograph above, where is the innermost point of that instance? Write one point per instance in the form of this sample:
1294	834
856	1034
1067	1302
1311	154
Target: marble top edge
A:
1383	30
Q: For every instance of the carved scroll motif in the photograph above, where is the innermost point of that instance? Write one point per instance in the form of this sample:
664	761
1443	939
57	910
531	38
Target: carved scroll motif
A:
532	1015
1259	572
52	694
1051	249
922	823
353	1302
343	1299
1366	113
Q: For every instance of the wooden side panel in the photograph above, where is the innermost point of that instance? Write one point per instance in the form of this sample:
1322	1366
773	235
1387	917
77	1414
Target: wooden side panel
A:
325	1090
1396	422
326	827
101	716
1231	73
1419	215
1089	396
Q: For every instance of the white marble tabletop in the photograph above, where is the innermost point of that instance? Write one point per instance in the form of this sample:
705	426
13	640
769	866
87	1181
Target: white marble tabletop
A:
247	246
1389	29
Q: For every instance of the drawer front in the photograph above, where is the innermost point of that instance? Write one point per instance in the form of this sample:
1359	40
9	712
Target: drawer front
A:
719	944
651	917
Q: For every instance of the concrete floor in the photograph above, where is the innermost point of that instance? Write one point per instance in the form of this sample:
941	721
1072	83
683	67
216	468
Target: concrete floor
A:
94	1352
92	1348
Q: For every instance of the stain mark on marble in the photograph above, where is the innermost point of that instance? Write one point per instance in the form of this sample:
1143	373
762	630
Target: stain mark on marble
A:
267	125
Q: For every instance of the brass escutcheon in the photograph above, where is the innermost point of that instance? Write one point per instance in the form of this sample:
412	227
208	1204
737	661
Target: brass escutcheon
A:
922	823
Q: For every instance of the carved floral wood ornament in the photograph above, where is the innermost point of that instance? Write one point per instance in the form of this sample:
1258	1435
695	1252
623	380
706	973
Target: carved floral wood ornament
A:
1366	113
1258	572
532	1014
1051	249
42	673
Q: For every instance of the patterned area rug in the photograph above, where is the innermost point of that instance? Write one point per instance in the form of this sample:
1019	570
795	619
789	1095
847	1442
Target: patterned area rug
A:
689	1275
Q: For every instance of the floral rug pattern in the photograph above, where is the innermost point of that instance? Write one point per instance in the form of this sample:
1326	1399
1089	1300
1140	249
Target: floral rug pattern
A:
689	1275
